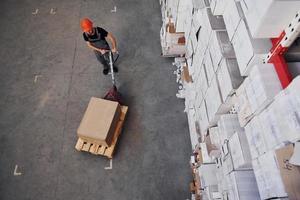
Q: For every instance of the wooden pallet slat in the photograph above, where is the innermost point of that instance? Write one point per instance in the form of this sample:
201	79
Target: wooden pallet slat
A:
79	144
101	150
86	146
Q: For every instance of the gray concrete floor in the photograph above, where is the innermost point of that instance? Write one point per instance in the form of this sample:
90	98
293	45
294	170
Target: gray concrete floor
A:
38	121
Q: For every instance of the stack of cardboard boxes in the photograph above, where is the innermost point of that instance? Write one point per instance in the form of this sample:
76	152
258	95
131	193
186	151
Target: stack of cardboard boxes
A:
246	128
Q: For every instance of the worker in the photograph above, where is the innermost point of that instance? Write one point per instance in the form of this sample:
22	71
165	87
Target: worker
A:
96	38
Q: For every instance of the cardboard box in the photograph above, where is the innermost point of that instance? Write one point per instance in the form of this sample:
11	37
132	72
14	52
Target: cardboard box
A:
260	16
207	173
228	124
243	105
255	137
229	77
249	51
220	47
240	151
290	173
99	121
233	14
275	176
265	85
209	67
214	102
218	6
242	185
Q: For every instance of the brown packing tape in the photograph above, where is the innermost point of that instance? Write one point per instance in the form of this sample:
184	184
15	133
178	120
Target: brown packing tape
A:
186	75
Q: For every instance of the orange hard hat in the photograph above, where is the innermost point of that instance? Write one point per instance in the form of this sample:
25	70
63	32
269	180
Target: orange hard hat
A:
86	24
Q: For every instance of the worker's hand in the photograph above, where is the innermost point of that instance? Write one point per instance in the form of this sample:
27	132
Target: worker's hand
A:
102	51
114	50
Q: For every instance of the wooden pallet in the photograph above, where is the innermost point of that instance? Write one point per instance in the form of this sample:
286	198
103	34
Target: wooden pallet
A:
96	149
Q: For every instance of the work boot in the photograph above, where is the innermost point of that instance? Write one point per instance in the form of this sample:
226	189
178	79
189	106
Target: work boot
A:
105	71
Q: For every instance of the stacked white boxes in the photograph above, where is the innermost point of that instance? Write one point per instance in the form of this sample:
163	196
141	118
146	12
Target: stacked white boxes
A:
229	78
263	85
266	19
218	6
235	99
220	47
249	51
242	185
255	135
268	176
233	15
228	124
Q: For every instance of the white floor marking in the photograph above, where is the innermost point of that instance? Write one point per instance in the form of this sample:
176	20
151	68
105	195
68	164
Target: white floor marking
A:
53	11
114	10
17	173
35	12
36	78
110	165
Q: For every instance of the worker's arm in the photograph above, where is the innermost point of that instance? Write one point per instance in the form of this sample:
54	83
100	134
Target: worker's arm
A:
113	42
102	51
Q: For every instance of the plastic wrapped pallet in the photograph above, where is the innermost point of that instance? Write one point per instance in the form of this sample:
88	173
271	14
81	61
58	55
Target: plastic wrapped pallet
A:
249	51
255	137
233	14
220	47
229	77
239	150
261	14
242	186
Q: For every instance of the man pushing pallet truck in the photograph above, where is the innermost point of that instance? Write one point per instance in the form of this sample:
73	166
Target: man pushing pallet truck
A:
102	122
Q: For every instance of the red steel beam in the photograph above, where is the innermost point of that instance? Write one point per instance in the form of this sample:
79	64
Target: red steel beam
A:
278	60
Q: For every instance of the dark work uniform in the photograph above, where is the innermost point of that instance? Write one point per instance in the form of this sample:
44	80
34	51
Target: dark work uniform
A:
98	40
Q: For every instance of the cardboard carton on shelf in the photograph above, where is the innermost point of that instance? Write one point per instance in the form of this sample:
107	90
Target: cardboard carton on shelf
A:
99	121
261	14
249	51
255	137
220	47
233	14
242	185
276	176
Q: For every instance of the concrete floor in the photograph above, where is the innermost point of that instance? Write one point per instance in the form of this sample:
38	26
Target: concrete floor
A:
38	119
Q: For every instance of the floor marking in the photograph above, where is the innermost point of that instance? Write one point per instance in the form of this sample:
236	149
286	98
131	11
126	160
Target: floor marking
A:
53	11
36	78
110	165
114	10
35	12
17	173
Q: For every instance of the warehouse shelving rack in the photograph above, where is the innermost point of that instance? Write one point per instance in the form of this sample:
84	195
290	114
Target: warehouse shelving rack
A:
280	47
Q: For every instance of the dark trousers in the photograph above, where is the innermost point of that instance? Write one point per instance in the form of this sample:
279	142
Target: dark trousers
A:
103	58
